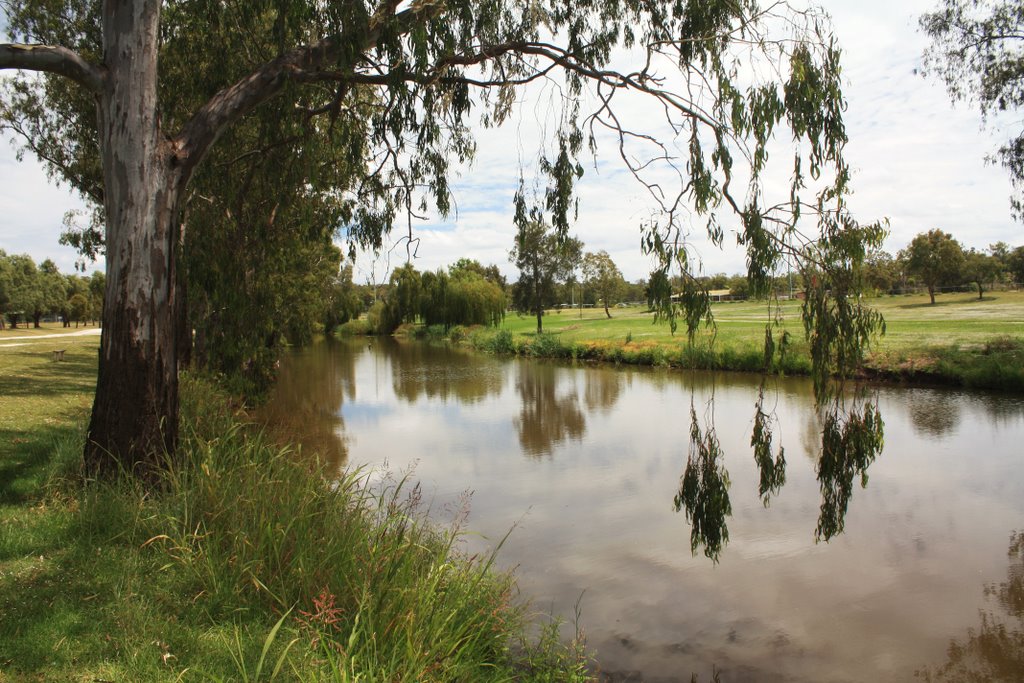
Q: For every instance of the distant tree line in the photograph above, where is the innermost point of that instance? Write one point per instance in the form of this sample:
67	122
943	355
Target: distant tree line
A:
935	260
30	292
932	261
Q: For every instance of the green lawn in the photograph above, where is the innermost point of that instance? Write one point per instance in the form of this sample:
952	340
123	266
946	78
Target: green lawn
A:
961	339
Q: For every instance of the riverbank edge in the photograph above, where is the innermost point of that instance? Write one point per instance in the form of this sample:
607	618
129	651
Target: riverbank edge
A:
995	365
243	566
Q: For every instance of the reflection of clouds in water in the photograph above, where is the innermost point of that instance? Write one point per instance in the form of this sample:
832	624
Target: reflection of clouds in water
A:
994	651
368	413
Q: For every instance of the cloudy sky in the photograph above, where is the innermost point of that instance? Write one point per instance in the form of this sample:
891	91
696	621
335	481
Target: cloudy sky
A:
917	160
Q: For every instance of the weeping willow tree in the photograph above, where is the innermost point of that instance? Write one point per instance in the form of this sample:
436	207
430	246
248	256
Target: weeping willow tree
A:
464	297
394	92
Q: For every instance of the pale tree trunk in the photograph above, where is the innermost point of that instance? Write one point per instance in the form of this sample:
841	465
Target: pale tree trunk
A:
537	301
134	422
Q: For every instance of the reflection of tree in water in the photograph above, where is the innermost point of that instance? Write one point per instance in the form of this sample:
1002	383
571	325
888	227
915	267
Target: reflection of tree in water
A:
933	413
1001	409
546	419
603	388
995	650
305	404
420	369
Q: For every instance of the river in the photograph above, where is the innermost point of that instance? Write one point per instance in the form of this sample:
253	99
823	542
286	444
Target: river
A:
582	464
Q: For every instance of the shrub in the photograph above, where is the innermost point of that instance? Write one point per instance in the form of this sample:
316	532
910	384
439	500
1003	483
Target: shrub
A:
502	342
547	345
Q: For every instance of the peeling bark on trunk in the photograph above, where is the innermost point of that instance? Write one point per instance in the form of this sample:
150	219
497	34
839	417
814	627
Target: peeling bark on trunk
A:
134	422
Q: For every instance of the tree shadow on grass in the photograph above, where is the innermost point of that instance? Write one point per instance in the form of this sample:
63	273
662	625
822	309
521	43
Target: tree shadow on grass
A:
27	458
76	374
942	304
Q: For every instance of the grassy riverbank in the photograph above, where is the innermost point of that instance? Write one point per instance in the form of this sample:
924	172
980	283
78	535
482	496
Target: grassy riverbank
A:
245	567
960	341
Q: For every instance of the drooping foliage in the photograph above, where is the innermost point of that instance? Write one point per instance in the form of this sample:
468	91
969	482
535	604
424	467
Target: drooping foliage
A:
463	298
850	443
838	324
343	301
977	50
704	491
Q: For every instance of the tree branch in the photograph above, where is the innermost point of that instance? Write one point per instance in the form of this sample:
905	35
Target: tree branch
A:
55	60
235	101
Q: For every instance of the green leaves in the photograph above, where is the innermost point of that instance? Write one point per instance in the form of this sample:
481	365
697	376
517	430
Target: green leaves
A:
935	257
704	492
773	470
849	444
976	51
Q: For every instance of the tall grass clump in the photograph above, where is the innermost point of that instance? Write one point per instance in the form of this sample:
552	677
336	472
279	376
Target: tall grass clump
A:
499	342
352	328
547	345
345	580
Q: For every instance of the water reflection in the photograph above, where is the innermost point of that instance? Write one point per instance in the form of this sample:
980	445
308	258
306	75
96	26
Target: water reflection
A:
994	651
772	469
305	403
595	516
850	442
933	413
546	418
431	371
603	388
704	490
851	438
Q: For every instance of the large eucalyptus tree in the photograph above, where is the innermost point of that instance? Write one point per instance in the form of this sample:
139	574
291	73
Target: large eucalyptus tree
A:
398	82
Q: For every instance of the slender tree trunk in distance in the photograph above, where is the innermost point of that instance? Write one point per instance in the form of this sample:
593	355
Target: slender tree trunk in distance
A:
931	293
135	414
606	311
537	300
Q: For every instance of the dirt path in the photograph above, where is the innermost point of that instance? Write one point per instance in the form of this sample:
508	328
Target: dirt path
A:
33	337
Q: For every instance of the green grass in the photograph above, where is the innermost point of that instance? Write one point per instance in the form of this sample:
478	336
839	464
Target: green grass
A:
960	340
246	565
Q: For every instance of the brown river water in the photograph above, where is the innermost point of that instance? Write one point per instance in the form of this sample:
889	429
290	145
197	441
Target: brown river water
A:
582	463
